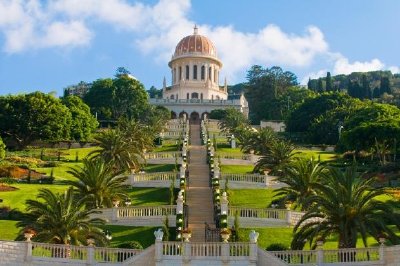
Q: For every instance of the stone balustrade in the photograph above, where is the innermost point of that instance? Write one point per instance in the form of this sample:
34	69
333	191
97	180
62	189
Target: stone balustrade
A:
163	155
157	179
139	215
349	256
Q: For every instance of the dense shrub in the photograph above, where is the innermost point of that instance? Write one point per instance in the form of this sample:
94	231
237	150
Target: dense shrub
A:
276	247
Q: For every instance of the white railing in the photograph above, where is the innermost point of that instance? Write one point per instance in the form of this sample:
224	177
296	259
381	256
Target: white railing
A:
352	255
156	176
205	249
171	248
348	256
297	257
114	254
163	155
251	178
237	156
145	211
195	101
69	253
278	214
40	250
173	134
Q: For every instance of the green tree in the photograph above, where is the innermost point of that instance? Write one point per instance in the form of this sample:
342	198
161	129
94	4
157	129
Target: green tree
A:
385	86
320	85
154	93
300	175
347	206
83	122
263	88
218	114
118	151
62	219
233	120
130	98
2	149
100	99
35	116
329	86
98	183
257	141
279	154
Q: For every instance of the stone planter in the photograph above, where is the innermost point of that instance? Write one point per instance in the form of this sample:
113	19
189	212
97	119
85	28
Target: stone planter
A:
225	237
186	236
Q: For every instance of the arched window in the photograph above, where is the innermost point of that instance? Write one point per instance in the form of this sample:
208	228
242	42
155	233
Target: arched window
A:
174	75
215	75
217	97
201	96
195	95
212	97
180	73
195	72
209	73
187	96
172	97
176	97
187	73
203	72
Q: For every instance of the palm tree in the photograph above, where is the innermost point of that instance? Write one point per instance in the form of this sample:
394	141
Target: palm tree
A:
98	183
301	175
62	219
275	156
346	205
258	141
121	152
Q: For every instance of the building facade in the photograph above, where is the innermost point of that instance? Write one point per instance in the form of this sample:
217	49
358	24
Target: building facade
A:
195	77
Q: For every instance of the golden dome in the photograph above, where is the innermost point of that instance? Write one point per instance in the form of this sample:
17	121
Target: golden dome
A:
195	44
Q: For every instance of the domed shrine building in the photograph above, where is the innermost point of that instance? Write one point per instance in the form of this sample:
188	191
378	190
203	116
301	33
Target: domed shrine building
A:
195	89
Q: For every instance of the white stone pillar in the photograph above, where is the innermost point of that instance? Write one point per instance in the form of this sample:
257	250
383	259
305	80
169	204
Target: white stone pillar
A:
224	204
225	252
233	142
90	255
179	203
320	253
253	236
28	256
289	217
158	245
187	249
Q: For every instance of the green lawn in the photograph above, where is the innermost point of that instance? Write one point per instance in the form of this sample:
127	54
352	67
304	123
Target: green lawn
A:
252	198
8	230
151	168
60	171
284	235
322	155
149	196
237	169
16	199
166	147
122	234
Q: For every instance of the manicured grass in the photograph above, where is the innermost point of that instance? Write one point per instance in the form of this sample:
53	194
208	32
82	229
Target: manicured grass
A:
149	196
284	235
166	147
151	168
16	199
60	171
228	150
252	198
322	155
237	169
8	230
122	234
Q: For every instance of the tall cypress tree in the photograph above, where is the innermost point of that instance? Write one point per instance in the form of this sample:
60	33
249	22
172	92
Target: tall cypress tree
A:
320	86
329	86
385	86
365	90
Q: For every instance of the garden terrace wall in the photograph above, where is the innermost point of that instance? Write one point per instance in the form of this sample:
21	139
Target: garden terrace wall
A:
157	179
139	215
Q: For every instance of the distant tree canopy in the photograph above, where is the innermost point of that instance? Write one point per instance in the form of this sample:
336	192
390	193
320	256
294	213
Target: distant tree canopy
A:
263	89
83	122
111	99
360	123
154	93
218	114
34	116
2	149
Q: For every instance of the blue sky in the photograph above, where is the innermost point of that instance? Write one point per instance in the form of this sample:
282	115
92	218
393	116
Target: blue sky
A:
48	45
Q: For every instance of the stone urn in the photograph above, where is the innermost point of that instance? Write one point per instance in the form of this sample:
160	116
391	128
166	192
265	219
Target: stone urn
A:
225	234
186	234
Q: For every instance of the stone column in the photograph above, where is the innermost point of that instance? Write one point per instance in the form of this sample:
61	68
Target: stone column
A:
179	204
158	245
225	252
224	204
253	236
320	253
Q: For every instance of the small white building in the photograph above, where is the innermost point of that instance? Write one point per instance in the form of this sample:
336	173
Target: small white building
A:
195	90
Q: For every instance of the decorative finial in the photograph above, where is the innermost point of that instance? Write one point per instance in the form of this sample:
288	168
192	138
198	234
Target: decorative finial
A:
195	30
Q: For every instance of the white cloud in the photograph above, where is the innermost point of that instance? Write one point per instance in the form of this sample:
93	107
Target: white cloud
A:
343	66
156	29
394	69
314	75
